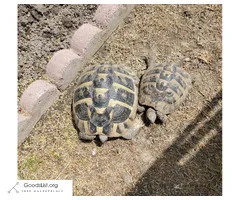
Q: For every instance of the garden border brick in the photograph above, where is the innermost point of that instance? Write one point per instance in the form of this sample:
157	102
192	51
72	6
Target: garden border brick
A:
63	67
34	102
65	64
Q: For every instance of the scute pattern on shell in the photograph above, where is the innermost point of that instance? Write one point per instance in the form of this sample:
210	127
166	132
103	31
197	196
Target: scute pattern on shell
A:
164	87
105	100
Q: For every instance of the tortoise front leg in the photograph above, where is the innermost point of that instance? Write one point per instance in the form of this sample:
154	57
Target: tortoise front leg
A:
140	109
161	116
151	115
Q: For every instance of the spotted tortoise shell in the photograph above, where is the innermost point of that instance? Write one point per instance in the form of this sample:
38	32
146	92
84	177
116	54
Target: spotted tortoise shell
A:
164	87
105	100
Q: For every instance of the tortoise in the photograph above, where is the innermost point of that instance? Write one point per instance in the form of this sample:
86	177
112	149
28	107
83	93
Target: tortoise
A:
163	88
105	103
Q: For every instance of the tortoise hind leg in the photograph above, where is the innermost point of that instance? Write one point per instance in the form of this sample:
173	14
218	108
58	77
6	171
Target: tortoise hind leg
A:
134	130
86	137
82	132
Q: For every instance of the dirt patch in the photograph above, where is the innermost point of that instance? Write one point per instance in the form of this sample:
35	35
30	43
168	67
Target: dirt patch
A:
43	30
181	157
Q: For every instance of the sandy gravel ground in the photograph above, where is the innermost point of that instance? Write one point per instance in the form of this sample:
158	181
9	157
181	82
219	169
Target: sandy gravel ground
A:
181	157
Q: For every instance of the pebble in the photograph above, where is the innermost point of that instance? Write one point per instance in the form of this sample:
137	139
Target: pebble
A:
94	152
67	23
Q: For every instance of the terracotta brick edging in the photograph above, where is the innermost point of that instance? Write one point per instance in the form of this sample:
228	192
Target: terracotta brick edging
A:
66	63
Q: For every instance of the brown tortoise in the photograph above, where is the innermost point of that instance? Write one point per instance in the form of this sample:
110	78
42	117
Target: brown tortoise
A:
105	103
163	88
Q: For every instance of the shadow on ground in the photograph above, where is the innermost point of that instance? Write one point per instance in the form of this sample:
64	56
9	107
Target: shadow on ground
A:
175	174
